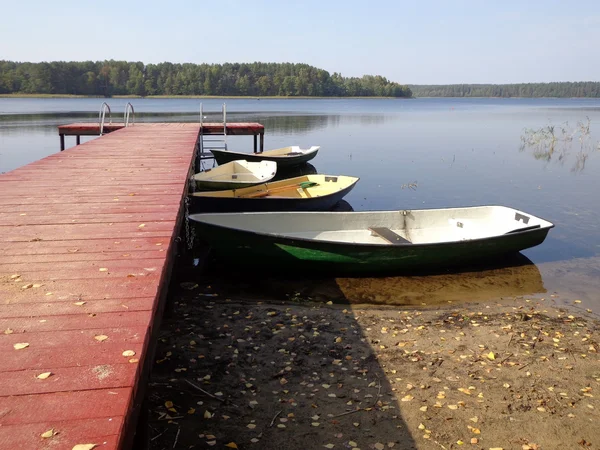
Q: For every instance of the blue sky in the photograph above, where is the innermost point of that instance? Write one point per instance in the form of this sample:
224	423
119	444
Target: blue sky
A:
424	42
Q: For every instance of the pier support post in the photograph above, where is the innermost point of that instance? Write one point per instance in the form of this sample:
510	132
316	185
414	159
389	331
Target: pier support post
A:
78	139
62	142
262	142
255	144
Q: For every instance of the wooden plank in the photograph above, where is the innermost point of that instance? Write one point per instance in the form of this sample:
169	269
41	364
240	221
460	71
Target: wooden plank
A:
103	431
65	406
72	338
74	314
389	236
78	290
72	257
65	379
16	219
41	359
37	247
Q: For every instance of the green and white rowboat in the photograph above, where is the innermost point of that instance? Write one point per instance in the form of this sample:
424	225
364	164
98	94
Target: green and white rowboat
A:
371	241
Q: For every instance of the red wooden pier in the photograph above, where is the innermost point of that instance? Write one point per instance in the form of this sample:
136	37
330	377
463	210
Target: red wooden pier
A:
87	245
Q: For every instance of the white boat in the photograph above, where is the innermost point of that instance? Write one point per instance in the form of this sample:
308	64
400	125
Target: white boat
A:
235	175
285	157
373	241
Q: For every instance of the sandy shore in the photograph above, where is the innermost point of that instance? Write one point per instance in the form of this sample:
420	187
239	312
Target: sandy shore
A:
238	371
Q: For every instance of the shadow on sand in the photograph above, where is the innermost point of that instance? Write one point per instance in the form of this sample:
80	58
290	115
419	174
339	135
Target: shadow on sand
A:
266	361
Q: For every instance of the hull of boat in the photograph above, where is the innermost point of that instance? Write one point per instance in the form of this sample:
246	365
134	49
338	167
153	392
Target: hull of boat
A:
260	249
223	157
231	204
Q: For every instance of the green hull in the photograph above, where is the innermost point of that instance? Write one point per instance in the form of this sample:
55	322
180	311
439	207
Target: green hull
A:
249	249
223	157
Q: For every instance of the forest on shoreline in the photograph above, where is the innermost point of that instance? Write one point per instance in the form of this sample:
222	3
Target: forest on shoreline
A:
136	79
115	78
565	89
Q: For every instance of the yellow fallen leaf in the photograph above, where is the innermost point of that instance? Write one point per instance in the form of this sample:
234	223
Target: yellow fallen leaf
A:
329	446
168	404
21	345
207	415
101	337
8	331
27	286
192	411
43	376
85	446
251	426
141	225
79	303
103	269
464	391
476	430
474	440
407	398
48	434
128	353
231	445
491	356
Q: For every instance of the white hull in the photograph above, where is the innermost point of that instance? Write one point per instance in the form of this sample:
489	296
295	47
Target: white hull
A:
428	226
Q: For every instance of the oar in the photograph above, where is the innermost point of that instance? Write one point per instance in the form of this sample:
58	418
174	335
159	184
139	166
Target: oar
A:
303	185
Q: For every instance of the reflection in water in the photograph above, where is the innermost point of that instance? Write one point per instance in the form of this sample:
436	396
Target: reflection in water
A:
285	124
515	276
342	206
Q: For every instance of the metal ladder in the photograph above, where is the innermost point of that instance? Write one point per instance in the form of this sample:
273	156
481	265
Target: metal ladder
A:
129	113
213	140
102	117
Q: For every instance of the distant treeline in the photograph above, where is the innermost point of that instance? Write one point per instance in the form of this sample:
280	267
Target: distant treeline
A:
108	78
560	89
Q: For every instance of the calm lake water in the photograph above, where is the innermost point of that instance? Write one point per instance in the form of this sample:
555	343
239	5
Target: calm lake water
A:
456	152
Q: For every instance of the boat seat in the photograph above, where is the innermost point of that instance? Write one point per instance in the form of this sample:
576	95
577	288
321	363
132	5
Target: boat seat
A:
389	235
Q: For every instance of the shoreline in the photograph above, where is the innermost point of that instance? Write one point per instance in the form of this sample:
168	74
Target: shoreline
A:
273	97
249	97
